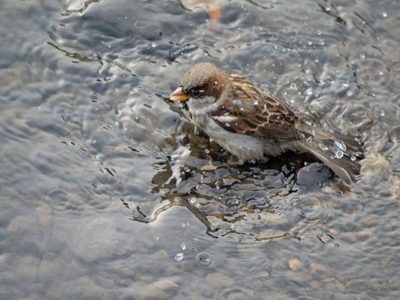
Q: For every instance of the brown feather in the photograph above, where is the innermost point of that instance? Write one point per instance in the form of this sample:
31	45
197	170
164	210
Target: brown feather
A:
271	117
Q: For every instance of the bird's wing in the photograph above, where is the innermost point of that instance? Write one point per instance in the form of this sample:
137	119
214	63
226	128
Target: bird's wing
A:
250	111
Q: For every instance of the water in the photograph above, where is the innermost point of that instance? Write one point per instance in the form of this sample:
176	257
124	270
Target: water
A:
100	180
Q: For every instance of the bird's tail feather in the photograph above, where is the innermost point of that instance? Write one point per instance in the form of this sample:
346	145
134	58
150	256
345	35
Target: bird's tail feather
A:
344	167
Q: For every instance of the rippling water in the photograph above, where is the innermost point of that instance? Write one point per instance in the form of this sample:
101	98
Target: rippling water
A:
101	192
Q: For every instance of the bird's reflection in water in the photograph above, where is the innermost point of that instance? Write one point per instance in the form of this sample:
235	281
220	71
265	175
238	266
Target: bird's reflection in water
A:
244	200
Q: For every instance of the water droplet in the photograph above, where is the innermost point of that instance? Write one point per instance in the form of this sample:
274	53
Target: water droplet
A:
183	246
362	56
384	14
193	200
179	256
353	157
256	102
323	147
203	258
339	154
309	92
340	145
154	45
310	139
293	86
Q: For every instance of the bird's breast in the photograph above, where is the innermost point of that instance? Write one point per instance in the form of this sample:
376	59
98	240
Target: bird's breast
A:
243	146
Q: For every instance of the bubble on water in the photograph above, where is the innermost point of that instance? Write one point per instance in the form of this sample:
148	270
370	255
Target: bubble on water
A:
363	56
339	154
384	14
154	44
203	258
179	256
293	86
183	246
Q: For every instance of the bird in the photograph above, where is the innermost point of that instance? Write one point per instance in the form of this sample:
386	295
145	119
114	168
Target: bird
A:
253	125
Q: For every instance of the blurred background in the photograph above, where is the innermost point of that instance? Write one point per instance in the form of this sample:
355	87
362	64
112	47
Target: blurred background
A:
101	195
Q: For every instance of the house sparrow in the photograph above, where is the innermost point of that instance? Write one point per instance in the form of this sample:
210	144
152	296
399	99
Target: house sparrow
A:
252	125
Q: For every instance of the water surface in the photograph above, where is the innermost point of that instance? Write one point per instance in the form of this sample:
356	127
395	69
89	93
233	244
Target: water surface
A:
101	192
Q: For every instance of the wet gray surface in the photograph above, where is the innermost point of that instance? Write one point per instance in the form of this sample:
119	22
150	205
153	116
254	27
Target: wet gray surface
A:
101	193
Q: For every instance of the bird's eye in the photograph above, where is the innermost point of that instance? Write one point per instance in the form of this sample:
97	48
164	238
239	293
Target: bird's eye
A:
196	92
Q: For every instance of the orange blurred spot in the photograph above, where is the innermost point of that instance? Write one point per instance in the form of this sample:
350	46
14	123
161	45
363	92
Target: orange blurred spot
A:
212	7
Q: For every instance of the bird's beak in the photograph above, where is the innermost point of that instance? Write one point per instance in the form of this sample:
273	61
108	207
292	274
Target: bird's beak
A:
179	95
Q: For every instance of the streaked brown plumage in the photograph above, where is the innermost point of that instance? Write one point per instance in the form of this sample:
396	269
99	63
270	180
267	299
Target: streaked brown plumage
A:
252	124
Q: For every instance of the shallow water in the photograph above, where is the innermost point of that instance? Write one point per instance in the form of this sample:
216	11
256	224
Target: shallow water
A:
101	193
